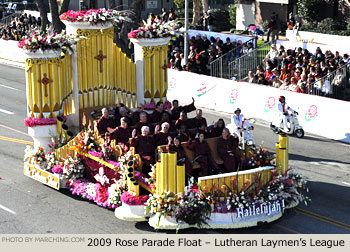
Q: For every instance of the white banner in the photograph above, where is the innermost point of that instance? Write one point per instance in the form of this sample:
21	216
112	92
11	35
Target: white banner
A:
9	50
311	47
318	115
217	35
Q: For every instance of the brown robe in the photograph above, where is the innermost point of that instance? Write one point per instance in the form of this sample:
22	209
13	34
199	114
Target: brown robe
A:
139	125
226	147
203	156
122	135
175	113
181	155
103	124
144	146
197	122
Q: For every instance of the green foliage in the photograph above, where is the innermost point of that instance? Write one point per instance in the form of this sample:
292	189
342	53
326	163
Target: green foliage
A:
180	4
328	26
309	9
265	25
221	19
232	8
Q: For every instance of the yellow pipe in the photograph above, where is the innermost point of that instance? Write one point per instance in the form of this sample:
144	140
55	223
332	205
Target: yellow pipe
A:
137	189
180	179
158	178
172	159
156	80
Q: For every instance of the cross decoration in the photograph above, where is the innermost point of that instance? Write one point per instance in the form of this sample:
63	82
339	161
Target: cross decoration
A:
45	81
165	68
100	57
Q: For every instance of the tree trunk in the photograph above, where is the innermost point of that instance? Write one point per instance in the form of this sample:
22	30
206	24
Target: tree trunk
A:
135	7
196	11
119	5
43	14
64	6
205	6
111	4
56	22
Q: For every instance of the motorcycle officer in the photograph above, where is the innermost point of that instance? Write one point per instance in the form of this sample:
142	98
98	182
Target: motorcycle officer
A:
283	112
239	120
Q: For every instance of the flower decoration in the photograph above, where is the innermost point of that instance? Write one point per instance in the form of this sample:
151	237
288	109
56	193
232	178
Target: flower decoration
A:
131	199
34	155
95	17
33	122
38	41
156	29
261	157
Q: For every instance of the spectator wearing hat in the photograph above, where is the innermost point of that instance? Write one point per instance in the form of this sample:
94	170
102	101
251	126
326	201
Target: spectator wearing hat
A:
272	55
297	74
275	82
285	85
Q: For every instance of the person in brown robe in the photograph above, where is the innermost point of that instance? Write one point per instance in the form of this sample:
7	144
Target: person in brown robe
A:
183	134
161	137
227	149
122	134
143	122
183	120
199	120
144	146
219	126
135	116
123	113
156	116
104	123
166	118
181	155
203	156
176	110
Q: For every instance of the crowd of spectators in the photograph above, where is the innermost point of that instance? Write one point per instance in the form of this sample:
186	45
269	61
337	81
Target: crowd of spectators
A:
300	70
19	27
203	51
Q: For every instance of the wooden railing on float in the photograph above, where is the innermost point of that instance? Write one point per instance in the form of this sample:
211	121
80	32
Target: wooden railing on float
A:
246	178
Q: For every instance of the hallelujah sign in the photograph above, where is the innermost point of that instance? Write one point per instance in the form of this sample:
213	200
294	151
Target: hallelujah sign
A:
267	209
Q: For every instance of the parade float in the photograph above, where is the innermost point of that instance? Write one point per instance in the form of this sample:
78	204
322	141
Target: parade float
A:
65	91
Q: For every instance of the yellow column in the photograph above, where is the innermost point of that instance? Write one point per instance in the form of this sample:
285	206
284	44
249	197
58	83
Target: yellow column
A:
164	175
172	160
180	178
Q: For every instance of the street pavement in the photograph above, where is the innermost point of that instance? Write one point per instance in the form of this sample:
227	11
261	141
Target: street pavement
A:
27	206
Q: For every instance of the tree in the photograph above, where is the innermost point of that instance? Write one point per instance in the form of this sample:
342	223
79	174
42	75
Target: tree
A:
119	5
205	6
43	14
58	26
111	4
196	11
64	6
309	9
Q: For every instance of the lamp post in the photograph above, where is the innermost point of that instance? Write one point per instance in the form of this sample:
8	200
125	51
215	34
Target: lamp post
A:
186	32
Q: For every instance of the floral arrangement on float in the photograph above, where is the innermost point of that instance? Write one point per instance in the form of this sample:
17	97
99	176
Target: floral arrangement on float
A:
33	122
95	17
260	158
38	41
156	29
198	205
